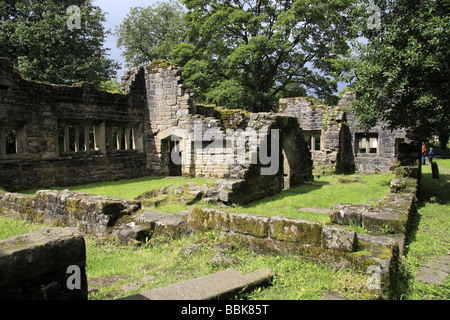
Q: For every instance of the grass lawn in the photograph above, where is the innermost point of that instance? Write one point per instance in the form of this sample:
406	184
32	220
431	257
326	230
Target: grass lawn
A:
296	278
431	238
322	193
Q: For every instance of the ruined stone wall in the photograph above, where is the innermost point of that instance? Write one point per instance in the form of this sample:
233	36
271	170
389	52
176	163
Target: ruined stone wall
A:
216	142
321	122
67	135
39	266
64	134
344	147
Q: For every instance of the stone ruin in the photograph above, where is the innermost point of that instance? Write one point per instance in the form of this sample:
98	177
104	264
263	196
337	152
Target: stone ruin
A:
337	144
56	135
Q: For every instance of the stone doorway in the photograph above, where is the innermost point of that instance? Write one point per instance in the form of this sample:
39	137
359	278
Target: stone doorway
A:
171	155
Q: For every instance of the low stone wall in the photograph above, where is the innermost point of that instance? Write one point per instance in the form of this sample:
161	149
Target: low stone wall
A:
392	214
71	170
88	213
49	264
296	231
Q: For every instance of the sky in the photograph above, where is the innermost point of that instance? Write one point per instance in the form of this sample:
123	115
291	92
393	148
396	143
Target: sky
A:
116	11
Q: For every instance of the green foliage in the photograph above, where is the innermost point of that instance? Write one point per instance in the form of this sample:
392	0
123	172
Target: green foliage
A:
248	54
35	36
430	237
148	34
401	73
112	86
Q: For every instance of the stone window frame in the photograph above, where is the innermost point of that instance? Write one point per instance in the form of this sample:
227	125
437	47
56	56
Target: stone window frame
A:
81	137
372	143
311	139
19	130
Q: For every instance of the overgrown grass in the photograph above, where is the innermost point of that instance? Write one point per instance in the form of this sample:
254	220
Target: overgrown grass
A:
430	238
296	278
12	227
131	188
322	193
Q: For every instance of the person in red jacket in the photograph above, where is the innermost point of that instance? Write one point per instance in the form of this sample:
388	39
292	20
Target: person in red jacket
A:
424	153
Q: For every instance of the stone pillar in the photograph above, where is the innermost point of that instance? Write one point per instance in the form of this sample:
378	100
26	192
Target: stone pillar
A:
86	138
2	141
77	139
100	138
435	170
66	139
127	139
119	138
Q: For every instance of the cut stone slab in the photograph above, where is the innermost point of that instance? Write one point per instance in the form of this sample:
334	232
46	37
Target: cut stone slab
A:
331	295
431	276
163	222
34	266
219	285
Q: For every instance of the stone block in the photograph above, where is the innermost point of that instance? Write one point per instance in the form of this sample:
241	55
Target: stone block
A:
34	266
296	230
387	220
346	214
208	219
339	239
220	285
249	224
163	223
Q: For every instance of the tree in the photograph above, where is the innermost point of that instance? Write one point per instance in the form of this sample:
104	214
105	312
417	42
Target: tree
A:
55	41
401	74
149	34
249	53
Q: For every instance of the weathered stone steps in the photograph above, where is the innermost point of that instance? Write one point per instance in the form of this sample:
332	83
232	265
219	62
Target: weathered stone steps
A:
220	285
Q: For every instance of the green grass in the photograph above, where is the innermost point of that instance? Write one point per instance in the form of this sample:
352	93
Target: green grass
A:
12	227
322	193
296	278
129	189
431	237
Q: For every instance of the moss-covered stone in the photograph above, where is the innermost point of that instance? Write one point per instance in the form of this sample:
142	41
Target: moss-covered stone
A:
204	219
296	230
250	224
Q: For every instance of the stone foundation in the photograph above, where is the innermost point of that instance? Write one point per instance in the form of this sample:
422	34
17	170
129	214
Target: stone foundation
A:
36	266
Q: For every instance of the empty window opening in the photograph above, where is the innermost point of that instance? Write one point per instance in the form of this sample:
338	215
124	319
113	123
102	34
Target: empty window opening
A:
314	139
8	141
367	143
75	138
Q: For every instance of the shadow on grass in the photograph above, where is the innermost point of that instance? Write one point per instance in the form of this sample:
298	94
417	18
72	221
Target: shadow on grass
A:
303	189
111	183
431	191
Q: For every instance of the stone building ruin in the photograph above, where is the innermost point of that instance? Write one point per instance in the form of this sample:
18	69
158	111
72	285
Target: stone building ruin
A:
337	145
58	135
